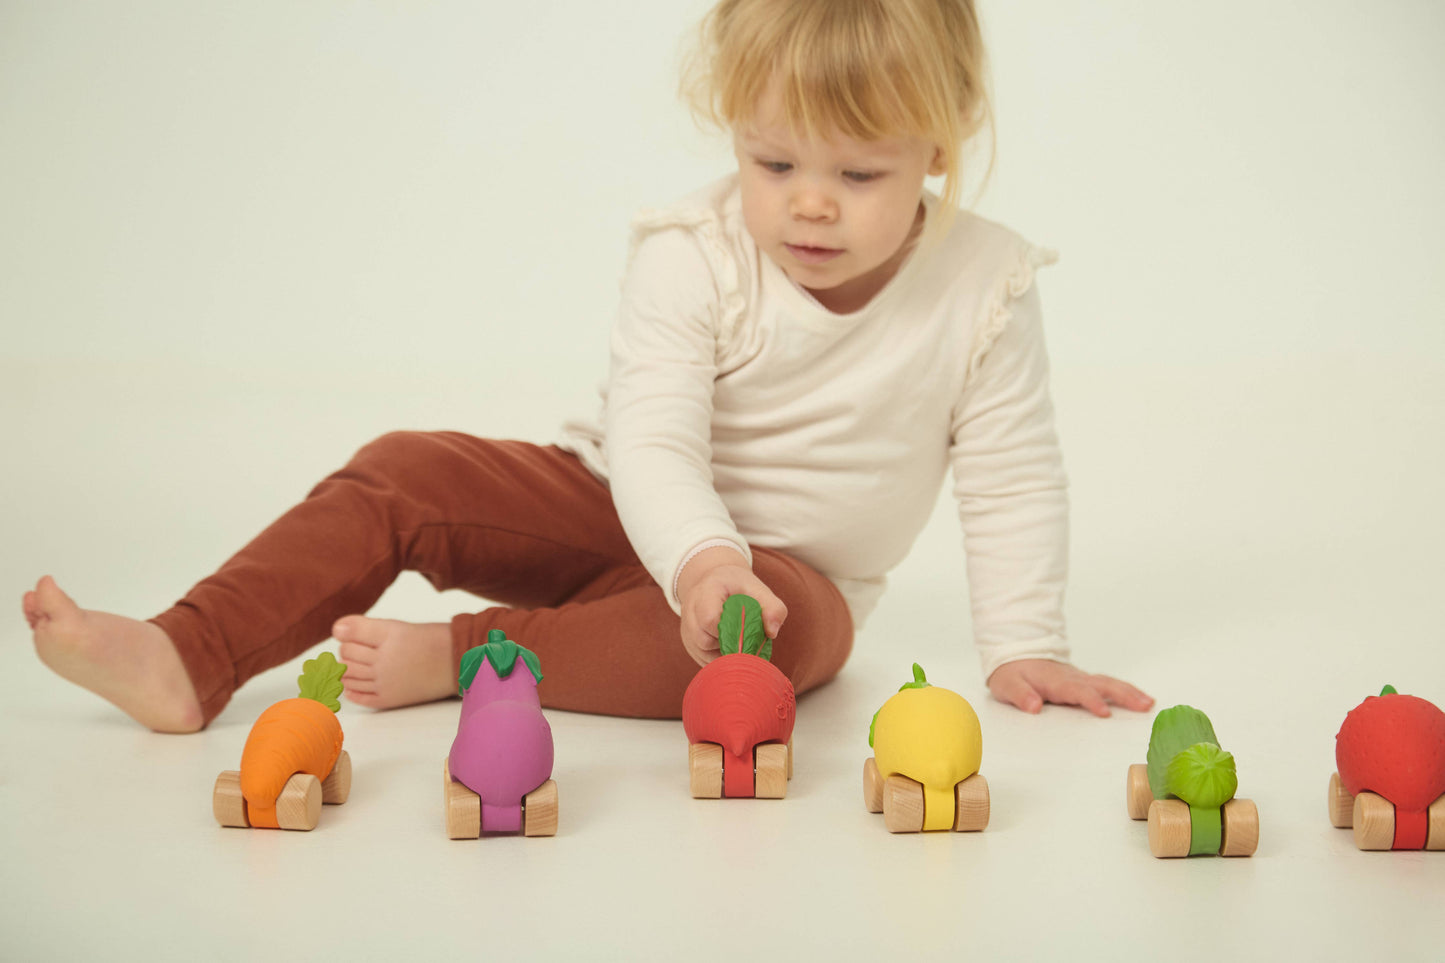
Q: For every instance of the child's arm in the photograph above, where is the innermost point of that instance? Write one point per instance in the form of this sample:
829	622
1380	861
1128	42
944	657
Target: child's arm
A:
665	346
1011	489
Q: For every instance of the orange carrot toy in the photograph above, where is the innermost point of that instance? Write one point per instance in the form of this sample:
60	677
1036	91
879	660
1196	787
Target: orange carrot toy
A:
292	748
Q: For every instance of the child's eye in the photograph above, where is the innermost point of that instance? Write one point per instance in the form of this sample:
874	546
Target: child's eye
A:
861	177
775	167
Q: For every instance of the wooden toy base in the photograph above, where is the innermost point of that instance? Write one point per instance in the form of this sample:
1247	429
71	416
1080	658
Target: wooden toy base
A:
1372	817
463	809
299	805
772	768
900	800
1170	829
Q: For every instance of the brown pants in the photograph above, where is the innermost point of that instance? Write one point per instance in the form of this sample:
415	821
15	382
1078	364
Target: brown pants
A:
526	526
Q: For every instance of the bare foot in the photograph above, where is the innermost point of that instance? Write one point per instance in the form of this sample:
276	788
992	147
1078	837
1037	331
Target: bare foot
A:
129	663
391	663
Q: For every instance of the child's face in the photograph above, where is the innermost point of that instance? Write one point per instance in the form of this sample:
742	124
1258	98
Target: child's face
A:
836	215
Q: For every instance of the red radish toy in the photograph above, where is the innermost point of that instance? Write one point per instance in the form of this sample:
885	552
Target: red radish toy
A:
738	713
1390	786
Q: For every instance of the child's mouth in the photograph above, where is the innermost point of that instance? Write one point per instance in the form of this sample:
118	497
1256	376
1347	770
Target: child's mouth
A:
812	255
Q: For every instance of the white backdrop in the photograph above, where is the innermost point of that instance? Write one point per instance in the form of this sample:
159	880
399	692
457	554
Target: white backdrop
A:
239	240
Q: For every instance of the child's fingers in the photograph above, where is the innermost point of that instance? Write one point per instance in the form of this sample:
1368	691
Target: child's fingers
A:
1016	691
1083	693
775	612
1123	694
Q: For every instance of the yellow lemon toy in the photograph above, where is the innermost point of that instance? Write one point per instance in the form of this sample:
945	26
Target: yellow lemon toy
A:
923	774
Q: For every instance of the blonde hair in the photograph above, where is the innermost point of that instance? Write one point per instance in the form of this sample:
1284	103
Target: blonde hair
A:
866	69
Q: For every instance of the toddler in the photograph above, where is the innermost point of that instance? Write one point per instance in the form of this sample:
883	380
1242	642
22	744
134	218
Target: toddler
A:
803	349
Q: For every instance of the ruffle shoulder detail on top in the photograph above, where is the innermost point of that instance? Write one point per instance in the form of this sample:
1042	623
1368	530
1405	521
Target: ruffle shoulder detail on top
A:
1018	279
706	225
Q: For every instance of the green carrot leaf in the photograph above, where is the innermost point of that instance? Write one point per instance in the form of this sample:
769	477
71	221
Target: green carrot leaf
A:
320	679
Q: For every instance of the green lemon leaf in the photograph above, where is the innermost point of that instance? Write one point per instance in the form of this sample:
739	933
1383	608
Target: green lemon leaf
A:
920	681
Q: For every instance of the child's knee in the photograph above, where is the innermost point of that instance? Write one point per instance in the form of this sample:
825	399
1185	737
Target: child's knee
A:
817	638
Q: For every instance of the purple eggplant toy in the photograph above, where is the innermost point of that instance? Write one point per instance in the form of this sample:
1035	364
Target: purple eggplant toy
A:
498	776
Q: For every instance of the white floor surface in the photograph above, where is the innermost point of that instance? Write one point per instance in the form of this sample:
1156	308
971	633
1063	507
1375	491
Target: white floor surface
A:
1275	616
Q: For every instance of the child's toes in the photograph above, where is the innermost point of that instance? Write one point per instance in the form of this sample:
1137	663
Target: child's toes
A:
349	628
30	605
362	697
358	671
358	660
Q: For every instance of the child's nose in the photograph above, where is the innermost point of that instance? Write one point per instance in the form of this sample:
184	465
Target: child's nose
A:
811	204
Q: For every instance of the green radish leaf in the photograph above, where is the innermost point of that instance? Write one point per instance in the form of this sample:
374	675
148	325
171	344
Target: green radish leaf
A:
320	679
740	628
1202	775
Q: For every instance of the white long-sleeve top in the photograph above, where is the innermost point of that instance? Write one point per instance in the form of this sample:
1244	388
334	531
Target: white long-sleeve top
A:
738	410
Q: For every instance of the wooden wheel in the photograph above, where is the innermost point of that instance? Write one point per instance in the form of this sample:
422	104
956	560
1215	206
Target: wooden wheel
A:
1374	819
872	786
1341	804
704	761
1435	835
299	805
1240	819
336	788
227	802
1137	794
1169	830
461	806
770	770
902	805
790	757
970	804
539	810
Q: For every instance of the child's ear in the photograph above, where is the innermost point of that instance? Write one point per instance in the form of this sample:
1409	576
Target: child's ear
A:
938	166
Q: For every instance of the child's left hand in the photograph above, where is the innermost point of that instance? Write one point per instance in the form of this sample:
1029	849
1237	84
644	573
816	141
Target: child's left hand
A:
1029	683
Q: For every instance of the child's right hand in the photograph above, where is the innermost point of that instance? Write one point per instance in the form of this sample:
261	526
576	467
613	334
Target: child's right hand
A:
705	584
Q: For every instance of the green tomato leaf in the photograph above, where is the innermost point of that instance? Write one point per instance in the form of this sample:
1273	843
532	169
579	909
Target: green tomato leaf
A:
320	679
1202	775
1389	690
